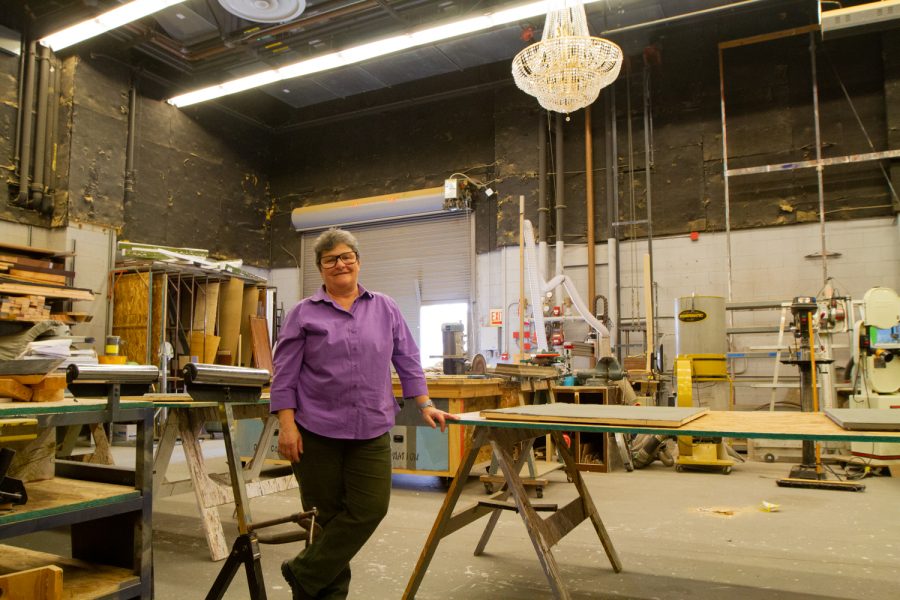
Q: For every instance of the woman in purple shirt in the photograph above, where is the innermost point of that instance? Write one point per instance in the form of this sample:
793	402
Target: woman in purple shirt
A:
332	394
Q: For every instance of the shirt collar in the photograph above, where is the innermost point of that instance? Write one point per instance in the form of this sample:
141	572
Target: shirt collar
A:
322	296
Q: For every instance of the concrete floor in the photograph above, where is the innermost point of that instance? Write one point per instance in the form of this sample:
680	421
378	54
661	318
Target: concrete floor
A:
679	535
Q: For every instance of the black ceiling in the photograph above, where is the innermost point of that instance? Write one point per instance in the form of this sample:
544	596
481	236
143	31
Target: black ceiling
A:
198	43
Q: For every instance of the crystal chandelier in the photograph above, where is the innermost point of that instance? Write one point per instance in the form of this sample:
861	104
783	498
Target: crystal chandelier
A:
567	69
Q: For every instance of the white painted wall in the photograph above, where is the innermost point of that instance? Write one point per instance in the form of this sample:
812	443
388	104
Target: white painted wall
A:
768	264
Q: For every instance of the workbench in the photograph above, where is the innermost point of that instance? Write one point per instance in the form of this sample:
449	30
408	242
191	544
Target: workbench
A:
418	449
185	419
503	435
107	509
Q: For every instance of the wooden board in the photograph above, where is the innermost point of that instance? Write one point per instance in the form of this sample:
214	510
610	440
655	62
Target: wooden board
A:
204	346
262	349
15	390
865	419
206	305
521	370
47	292
231	297
249	308
61	495
599	414
131	318
80	579
51	389
43	583
37	366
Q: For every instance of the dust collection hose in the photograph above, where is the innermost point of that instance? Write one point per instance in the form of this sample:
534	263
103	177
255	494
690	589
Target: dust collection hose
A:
650	448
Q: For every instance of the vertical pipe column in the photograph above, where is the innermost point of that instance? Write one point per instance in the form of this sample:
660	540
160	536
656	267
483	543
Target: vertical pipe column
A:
560	198
819	167
52	129
725	171
129	144
543	209
589	205
522	278
40	132
612	214
25	113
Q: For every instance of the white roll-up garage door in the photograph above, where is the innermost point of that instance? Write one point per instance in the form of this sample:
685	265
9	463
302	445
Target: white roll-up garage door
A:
423	261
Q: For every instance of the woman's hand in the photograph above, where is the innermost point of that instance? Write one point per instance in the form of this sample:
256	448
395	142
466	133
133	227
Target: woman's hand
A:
290	443
435	416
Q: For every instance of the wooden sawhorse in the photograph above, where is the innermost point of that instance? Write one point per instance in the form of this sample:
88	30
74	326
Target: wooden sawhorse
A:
185	419
544	533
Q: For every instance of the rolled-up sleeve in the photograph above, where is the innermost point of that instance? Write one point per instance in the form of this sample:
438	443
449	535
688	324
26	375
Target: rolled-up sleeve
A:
405	357
288	361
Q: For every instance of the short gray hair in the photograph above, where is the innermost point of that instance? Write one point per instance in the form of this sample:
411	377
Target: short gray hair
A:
332	238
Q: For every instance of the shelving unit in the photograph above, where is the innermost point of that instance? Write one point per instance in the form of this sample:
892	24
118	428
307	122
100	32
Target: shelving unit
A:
146	320
591	450
107	509
27	271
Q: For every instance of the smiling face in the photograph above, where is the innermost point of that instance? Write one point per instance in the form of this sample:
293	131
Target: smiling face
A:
340	279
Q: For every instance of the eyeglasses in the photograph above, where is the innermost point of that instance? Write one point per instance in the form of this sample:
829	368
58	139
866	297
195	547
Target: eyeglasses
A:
348	258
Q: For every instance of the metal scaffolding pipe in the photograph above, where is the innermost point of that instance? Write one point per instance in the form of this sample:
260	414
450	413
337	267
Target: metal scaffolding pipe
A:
559	201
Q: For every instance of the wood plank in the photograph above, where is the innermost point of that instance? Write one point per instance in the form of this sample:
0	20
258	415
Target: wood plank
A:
206	305
262	348
37	366
34	250
51	389
29	275
249	308
865	419
15	390
61	495
204	346
231	297
42	583
46	291
522	370
81	580
599	414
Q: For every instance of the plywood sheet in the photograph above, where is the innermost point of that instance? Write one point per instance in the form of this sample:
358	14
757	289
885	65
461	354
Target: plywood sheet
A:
262	348
865	419
599	414
80	579
131	318
206	304
204	346
249	308
231	297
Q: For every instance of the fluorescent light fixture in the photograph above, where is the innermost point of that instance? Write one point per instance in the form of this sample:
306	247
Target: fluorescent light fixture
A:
370	50
116	17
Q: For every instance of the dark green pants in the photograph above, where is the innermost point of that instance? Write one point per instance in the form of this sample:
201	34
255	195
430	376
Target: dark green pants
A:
349	481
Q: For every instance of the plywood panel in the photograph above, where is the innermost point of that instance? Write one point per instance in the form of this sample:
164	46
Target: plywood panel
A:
599	414
204	346
262	348
206	304
865	419
131	305
249	308
231	296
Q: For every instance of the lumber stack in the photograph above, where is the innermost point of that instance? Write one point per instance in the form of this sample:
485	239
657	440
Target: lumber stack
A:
29	267
24	308
33	388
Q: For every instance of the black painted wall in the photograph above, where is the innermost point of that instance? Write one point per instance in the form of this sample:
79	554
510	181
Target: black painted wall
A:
203	176
200	175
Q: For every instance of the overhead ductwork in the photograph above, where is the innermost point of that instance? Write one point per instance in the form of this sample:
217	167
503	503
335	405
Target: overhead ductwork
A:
406	205
861	19
265	11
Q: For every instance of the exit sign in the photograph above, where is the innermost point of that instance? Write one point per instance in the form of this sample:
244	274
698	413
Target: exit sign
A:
496	317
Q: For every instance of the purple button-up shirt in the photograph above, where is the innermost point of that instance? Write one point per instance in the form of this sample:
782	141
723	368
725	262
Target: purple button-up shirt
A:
332	366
